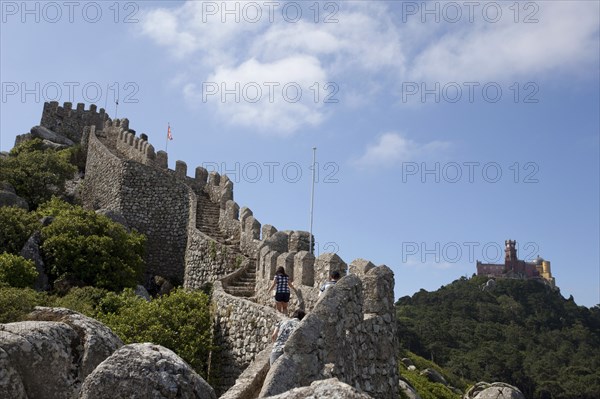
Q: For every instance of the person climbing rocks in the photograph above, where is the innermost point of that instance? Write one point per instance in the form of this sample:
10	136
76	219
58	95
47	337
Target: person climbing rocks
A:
282	332
333	278
282	285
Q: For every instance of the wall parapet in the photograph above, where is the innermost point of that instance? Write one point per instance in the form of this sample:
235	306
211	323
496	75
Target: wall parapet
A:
242	330
151	201
338	339
249	383
128	144
207	260
70	122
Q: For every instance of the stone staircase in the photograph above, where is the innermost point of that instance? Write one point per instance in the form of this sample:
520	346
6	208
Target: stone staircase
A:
207	221
244	285
207	218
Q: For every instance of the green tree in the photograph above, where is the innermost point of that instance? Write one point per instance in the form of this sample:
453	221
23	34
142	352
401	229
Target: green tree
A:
15	303
179	321
84	246
36	173
16	226
17	271
85	300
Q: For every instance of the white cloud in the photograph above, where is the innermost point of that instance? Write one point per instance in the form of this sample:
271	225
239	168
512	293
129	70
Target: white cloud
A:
562	39
392	148
194	32
369	52
310	54
277	98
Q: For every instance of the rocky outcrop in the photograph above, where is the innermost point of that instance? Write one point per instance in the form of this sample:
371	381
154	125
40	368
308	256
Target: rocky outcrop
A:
142	292
47	134
31	250
433	376
115	216
39	360
496	390
97	341
145	371
50	355
408	390
8	197
324	389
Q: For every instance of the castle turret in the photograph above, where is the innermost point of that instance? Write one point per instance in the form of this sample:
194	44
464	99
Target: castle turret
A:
510	257
547	273
510	250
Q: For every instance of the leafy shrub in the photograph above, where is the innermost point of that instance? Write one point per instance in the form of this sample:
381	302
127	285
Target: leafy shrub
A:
17	271
77	157
36	173
90	248
15	303
16	226
85	300
179	321
425	388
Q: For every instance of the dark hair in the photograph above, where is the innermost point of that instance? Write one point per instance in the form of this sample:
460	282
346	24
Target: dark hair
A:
298	314
281	271
335	275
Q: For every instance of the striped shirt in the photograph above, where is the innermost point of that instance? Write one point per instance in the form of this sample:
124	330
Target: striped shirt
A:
281	284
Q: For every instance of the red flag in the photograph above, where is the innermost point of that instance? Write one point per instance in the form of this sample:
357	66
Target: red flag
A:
169	135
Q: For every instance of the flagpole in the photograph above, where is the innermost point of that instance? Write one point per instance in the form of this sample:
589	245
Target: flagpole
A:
116	107
312	201
167	142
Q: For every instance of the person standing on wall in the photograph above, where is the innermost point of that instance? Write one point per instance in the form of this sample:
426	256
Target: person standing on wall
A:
282	285
333	278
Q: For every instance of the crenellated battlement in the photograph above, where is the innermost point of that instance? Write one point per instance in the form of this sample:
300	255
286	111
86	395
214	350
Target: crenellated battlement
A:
128	144
53	108
70	122
122	140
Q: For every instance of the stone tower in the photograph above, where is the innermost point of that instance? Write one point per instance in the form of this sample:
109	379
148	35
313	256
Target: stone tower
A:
510	251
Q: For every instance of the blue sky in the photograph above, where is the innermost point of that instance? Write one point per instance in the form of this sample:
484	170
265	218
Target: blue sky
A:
442	128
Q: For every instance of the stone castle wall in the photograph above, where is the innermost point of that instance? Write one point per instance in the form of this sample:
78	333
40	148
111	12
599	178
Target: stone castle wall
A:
242	330
207	260
350	335
289	249
124	174
70	122
104	178
160	207
134	148
150	200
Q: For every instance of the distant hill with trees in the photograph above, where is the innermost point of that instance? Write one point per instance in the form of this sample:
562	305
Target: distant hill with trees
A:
518	331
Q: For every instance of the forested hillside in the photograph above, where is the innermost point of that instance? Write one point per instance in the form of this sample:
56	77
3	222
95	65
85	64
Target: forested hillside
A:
520	332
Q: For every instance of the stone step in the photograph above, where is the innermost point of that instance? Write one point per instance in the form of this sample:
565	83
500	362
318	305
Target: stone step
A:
249	284
240	292
243	286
